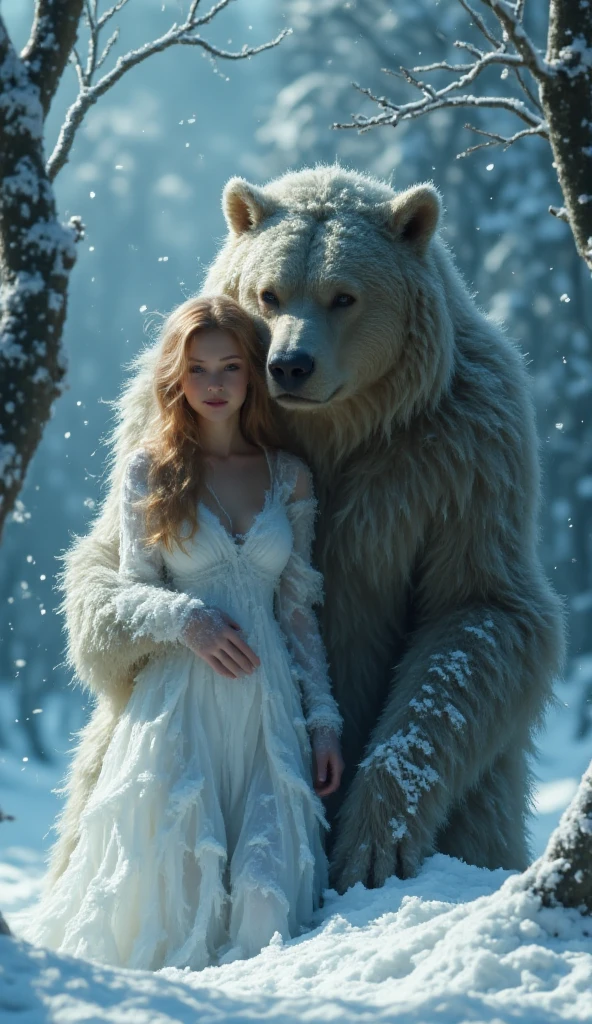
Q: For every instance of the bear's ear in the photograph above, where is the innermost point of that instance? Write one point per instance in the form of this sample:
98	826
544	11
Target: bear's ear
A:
244	205
413	215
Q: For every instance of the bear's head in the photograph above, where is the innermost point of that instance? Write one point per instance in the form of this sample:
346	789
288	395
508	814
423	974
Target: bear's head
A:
346	279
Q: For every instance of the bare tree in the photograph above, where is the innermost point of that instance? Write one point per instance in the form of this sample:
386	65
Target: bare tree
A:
37	252
554	95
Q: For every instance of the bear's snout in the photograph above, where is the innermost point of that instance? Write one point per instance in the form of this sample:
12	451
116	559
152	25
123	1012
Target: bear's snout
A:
291	370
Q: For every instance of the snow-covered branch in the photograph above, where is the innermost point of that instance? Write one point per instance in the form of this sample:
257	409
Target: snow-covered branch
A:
554	94
439	99
185	34
455	93
495	139
510	18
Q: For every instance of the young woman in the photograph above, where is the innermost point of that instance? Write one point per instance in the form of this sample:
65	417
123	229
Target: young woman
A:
202	836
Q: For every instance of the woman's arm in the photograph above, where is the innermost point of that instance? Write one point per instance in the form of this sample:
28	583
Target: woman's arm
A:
301	587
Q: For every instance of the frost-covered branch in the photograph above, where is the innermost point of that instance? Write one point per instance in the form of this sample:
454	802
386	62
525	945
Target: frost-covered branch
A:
185	34
496	139
455	93
554	101
510	18
438	99
37	252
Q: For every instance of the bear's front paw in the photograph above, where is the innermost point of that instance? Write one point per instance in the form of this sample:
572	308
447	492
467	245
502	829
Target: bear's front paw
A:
372	861
375	839
351	863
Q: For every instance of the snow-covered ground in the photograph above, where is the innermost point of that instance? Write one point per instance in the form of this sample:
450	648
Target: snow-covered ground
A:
455	944
437	948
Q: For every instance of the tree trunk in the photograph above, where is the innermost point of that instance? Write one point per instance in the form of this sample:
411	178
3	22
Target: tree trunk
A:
37	254
563	875
566	97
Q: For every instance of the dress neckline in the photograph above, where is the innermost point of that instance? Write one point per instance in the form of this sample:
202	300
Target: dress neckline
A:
238	540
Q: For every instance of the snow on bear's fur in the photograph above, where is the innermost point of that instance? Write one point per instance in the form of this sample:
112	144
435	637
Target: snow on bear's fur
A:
414	412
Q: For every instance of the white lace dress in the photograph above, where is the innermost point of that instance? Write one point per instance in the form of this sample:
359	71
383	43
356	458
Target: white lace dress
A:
202	836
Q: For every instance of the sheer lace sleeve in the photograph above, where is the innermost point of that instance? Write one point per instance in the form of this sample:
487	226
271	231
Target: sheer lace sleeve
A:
144	601
301	587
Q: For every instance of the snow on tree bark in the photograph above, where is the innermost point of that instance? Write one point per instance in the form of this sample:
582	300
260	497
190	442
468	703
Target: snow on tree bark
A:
563	875
37	253
53	35
566	96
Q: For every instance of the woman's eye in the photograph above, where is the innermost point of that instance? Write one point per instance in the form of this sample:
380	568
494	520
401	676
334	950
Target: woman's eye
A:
232	366
342	300
196	369
269	298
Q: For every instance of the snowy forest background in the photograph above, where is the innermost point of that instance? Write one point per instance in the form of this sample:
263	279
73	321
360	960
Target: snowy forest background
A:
146	175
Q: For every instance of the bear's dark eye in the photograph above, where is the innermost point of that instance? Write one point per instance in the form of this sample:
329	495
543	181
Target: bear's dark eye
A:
342	300
269	298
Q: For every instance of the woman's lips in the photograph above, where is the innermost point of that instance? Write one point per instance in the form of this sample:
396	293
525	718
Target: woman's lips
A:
219	401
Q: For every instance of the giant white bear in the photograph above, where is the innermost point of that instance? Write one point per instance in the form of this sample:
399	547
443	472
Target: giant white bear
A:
414	412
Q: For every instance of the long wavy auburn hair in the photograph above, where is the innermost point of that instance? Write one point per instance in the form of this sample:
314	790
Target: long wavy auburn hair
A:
177	470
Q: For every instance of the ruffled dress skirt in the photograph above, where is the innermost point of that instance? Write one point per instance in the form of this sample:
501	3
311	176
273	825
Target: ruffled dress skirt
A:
202	837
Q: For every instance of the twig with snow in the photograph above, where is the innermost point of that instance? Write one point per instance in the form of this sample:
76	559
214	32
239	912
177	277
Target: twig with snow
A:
90	91
496	139
455	93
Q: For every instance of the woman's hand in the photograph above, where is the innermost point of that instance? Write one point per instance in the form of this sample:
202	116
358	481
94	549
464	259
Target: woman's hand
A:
328	761
214	636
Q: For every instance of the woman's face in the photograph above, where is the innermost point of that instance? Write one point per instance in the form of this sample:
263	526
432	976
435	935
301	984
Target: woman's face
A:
215	384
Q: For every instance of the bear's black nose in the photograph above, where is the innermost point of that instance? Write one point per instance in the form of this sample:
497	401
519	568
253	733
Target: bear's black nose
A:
290	371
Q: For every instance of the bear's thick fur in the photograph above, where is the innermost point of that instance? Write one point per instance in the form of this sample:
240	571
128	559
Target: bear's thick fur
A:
414	412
